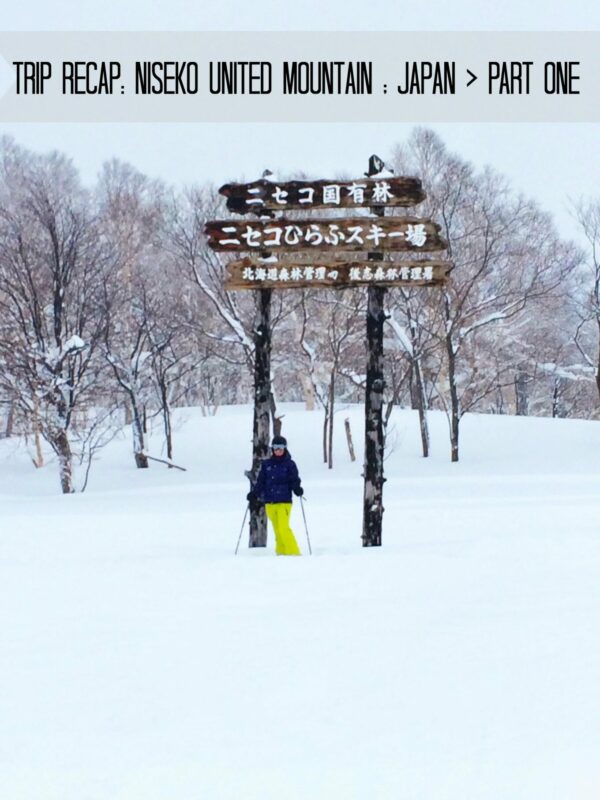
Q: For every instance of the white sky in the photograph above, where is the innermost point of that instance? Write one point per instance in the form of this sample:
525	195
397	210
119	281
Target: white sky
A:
550	162
178	15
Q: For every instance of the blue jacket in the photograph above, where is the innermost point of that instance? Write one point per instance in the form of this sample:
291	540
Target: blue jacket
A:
277	479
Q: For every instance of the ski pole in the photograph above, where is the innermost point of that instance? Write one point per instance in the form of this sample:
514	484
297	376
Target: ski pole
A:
305	525
242	529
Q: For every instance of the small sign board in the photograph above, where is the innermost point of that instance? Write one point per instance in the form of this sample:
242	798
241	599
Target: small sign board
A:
261	195
256	273
358	233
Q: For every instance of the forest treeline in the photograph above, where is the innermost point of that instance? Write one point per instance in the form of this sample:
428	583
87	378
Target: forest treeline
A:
112	310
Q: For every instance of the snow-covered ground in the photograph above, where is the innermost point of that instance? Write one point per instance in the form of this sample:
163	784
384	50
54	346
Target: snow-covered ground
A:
141	660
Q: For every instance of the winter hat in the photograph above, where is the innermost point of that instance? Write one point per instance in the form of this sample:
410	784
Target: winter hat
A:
279	441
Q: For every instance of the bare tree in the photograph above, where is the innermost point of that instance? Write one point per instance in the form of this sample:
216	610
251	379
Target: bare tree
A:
506	253
588	216
243	324
53	264
132	214
414	323
331	334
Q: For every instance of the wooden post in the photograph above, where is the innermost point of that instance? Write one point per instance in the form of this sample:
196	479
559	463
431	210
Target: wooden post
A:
262	408
373	469
374	440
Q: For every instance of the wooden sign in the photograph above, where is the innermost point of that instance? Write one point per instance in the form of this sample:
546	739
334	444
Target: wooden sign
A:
256	273
252	198
359	233
333	252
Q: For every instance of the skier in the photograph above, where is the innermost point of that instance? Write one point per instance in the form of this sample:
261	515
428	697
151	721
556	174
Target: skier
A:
277	479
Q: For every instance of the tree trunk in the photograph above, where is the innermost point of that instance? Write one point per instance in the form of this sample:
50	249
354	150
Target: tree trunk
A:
418	398
309	391
454	401
455	414
555	399
598	364
325	429
166	411
422	407
558	409
62	447
499	401
262	408
521	394
37	436
331	410
349	439
374	449
275	420
414	401
10	420
39	453
139	442
141	460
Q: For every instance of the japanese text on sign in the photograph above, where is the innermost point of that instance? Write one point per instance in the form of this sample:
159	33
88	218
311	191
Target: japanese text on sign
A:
351	234
364	273
276	235
268	195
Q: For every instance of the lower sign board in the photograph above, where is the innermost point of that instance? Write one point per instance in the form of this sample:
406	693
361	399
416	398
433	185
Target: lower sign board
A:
360	233
253	273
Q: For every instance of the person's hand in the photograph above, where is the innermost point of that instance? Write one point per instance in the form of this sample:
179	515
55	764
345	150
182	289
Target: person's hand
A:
299	491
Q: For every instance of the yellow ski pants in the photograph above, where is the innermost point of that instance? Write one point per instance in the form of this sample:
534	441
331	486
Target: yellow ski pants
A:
285	541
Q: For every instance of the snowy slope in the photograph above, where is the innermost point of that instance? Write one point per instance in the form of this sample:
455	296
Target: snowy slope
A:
140	659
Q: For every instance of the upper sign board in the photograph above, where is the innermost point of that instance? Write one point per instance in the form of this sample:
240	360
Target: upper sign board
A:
267	195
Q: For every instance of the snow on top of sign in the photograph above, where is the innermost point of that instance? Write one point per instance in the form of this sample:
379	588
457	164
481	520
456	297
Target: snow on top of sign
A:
273	177
384	173
359	211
